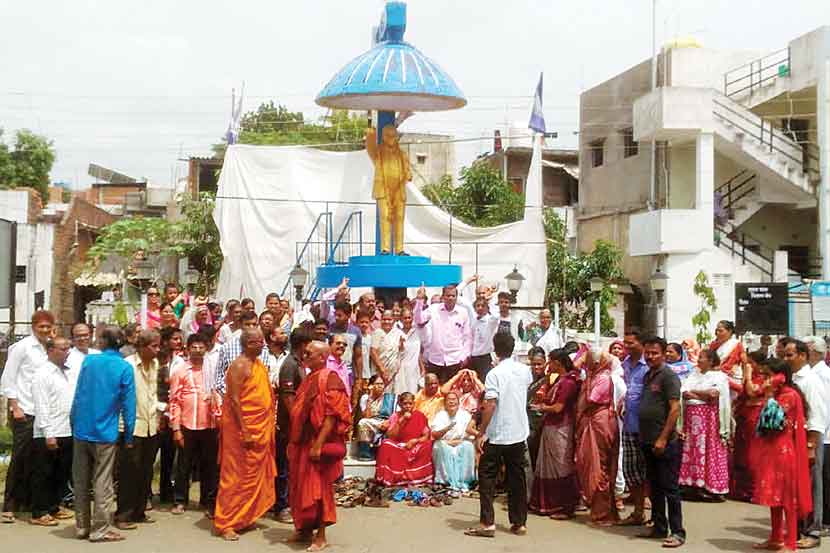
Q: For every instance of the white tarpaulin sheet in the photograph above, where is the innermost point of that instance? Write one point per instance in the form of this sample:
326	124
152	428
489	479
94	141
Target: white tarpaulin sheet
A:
270	197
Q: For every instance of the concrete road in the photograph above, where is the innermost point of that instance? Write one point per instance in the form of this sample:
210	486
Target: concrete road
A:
711	527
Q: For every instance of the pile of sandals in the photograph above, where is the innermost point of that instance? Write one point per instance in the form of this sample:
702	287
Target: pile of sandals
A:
353	491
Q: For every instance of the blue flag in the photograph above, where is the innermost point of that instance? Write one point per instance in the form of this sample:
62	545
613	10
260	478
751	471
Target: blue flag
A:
537	117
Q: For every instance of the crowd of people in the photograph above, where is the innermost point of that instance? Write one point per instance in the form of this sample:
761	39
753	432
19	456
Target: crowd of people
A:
263	407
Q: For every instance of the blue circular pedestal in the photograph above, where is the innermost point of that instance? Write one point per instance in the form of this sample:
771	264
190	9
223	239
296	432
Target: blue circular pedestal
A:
388	271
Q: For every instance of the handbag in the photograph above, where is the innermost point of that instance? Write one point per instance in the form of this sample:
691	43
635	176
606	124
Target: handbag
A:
771	419
332	451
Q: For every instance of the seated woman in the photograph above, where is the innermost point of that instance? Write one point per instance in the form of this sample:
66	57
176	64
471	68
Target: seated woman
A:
405	455
453	455
706	413
467	386
371	425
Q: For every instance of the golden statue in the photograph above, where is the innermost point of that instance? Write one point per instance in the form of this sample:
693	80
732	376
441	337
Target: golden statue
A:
392	172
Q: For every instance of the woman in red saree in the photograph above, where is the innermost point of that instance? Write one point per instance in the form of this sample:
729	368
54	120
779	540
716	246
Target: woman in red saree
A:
597	440
730	351
746	409
782	471
405	455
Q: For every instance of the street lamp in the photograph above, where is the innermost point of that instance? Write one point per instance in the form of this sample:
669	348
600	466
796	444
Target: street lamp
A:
144	270
597	284
190	278
299	277
659	282
514	283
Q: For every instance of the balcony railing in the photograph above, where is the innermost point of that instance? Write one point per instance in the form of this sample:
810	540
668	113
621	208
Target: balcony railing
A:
755	74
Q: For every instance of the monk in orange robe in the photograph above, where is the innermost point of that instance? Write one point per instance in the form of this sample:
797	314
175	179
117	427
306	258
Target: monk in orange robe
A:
320	417
246	449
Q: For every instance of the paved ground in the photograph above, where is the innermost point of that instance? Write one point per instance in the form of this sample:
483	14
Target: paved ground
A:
711	527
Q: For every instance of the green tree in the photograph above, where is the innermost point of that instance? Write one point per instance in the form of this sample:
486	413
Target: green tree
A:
132	238
569	276
708	303
28	164
197	238
274	124
482	198
193	236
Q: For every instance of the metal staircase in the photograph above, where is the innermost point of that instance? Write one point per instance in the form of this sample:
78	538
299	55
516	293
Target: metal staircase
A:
321	247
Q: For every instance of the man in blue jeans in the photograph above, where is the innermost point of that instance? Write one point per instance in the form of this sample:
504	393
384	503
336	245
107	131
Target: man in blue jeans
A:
659	410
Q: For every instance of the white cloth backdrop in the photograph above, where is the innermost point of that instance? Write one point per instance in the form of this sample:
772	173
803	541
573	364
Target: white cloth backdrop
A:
269	198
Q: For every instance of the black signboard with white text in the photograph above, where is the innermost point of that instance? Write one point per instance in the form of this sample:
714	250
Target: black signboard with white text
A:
762	308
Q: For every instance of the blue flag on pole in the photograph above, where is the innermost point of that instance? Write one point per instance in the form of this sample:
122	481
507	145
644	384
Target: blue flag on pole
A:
537	117
235	123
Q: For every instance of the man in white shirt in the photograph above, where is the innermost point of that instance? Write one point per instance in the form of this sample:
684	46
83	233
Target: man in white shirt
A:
818	348
502	439
483	325
233	322
81	338
796	354
54	389
25	357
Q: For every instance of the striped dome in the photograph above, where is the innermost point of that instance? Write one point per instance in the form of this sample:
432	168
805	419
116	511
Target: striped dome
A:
392	76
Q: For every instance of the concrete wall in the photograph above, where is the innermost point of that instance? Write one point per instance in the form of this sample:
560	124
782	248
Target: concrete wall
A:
777	226
605	111
682	304
69	260
437	156
804	57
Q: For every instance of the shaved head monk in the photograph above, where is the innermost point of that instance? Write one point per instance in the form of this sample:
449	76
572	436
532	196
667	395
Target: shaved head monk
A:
246	484
320	417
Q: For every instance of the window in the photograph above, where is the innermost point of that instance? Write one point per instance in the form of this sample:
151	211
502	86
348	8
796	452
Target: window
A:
597	148
20	274
421	159
631	147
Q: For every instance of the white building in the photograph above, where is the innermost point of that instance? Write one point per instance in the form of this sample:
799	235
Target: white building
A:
33	264
737	184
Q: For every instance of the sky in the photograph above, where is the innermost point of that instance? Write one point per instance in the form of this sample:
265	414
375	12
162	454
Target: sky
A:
138	86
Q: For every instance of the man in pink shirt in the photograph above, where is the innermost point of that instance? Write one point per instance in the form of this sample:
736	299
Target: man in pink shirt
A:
194	427
449	349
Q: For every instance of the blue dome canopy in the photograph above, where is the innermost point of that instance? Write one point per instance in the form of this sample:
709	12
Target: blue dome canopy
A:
392	76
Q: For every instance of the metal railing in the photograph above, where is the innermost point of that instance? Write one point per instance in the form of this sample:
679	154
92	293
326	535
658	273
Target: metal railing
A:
311	253
753	252
756	73
766	134
736	189
353	225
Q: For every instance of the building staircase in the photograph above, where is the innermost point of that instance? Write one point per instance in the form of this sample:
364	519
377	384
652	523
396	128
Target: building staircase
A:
778	169
785	168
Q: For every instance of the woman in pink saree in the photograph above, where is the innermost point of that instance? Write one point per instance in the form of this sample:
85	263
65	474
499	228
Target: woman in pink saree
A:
597	440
